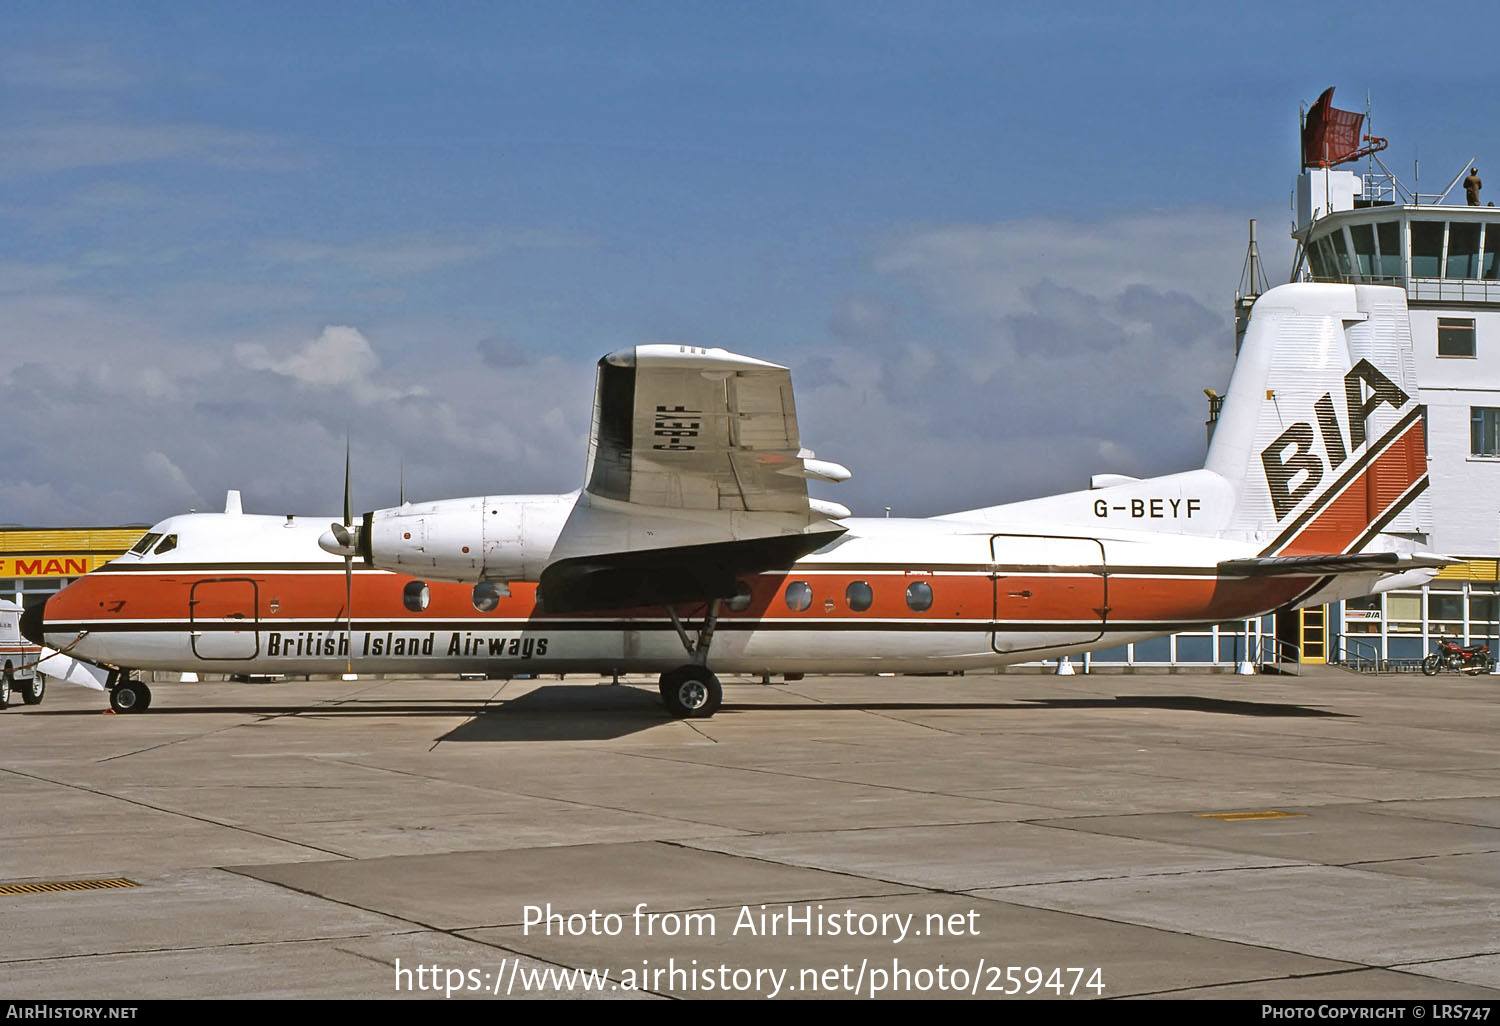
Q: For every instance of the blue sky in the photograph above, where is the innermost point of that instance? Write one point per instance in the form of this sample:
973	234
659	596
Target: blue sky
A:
996	243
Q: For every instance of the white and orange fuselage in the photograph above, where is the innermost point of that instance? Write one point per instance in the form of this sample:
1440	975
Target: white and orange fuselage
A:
897	595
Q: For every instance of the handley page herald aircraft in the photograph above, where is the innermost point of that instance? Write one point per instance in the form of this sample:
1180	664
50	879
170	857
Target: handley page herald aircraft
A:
694	543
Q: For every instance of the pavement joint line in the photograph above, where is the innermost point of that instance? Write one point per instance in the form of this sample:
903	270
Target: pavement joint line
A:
1326	974
1420	858
454	933
1396	966
488	703
114	952
768	771
183	815
1146	875
550	798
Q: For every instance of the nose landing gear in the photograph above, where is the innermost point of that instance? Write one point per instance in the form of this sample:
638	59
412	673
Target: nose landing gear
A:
127	695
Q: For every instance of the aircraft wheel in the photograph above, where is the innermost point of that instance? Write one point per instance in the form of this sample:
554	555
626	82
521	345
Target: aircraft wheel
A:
691	692
33	692
1431	664
131	696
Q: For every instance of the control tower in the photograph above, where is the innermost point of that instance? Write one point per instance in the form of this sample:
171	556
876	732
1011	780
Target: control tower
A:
1444	250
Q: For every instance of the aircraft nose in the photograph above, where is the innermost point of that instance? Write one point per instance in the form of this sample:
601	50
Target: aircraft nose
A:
33	622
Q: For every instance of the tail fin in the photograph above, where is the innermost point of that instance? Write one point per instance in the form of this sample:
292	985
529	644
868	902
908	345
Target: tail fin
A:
1321	436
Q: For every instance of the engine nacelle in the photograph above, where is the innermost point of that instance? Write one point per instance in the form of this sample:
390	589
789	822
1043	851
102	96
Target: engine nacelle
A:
485	537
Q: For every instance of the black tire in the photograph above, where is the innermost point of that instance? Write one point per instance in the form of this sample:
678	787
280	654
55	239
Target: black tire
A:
32	693
5	685
1431	665
131	696
691	692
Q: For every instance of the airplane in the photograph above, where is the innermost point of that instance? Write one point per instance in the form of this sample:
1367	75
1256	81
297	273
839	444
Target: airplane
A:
693	547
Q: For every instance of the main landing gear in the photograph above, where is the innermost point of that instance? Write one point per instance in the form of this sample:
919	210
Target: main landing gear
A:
691	691
127	695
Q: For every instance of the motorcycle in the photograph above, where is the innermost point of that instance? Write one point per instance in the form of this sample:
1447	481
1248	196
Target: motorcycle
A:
1459	658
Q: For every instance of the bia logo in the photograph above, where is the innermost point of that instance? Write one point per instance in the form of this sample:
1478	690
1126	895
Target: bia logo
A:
1293	451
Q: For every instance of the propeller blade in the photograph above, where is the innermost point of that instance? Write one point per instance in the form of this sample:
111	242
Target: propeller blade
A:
348	502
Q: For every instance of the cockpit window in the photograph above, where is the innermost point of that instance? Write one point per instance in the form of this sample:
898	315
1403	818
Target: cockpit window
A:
143	546
167	544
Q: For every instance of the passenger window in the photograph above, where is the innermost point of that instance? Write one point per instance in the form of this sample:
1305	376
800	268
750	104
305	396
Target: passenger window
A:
798	596
486	596
167	544
143	546
415	596
859	596
740	600
919	596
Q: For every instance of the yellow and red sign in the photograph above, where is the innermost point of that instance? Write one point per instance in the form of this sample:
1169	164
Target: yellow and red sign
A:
50	564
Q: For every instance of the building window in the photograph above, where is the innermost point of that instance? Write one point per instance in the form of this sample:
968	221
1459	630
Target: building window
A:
1426	248
1484	431
1364	249
1463	250
1456	336
1388	237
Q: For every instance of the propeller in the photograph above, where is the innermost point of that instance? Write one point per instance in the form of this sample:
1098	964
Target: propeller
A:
342	539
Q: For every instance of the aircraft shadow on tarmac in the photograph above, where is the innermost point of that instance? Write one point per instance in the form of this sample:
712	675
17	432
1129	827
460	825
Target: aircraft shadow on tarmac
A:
586	712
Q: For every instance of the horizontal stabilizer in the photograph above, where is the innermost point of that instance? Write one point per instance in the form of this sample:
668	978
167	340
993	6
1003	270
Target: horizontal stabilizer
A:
1324	565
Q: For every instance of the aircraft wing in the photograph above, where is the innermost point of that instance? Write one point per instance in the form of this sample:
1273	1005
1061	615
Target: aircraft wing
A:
696	473
1325	565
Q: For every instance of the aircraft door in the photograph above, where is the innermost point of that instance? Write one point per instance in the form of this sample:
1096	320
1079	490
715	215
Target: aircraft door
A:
224	618
1049	591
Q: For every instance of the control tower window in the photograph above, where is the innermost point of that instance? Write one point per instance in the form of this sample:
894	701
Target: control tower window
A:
1456	336
1315	262
1491	268
1426	249
1463	250
1330	264
1388	235
1364	249
1341	254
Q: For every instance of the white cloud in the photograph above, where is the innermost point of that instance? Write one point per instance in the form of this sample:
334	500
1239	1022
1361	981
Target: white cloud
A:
339	358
